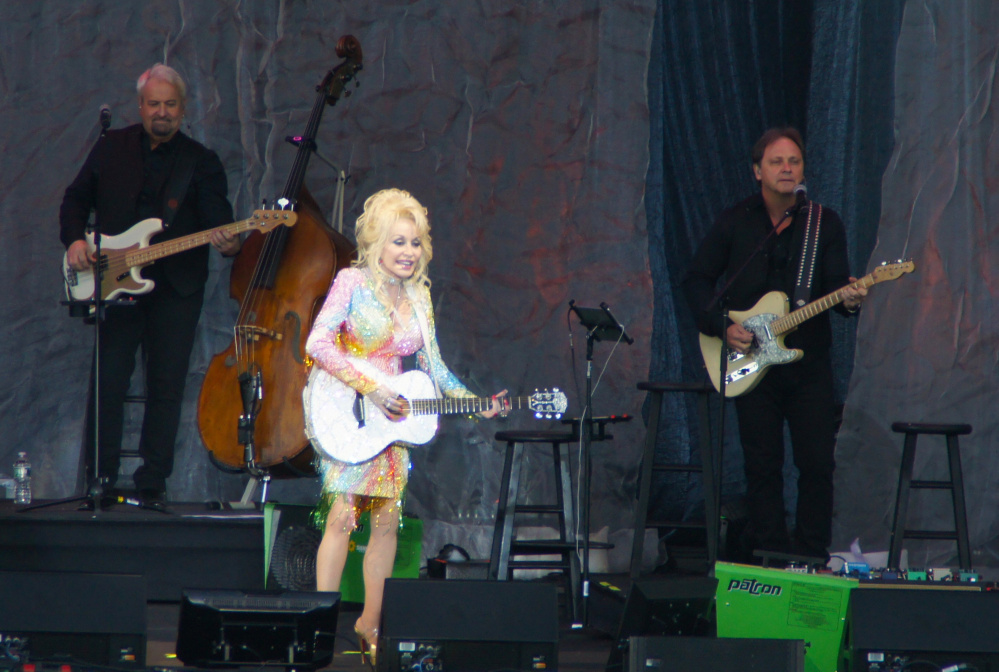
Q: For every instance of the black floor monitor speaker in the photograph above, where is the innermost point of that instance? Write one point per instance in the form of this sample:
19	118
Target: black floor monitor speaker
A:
473	626
665	606
944	626
699	654
75	618
235	628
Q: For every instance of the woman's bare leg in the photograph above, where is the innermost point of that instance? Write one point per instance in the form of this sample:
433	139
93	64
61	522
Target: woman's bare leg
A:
378	561
332	554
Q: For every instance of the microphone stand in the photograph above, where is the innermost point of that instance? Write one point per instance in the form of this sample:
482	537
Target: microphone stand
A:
601	325
721	299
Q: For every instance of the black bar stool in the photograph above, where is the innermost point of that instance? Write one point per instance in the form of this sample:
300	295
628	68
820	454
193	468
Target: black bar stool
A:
134	413
706	468
899	533
501	564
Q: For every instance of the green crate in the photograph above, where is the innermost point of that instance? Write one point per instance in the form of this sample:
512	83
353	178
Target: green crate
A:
408	556
297	520
753	602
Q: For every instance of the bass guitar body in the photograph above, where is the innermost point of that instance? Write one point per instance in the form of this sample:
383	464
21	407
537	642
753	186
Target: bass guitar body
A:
80	284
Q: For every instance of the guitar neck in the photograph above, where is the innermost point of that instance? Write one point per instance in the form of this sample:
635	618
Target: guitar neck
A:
782	325
462	405
147	255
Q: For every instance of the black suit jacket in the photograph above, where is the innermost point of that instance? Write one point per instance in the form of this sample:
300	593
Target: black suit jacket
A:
111	183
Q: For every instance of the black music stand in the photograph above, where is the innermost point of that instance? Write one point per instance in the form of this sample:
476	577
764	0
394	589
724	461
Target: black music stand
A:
601	325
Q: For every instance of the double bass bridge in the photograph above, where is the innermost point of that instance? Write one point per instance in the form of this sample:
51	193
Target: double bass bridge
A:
252	332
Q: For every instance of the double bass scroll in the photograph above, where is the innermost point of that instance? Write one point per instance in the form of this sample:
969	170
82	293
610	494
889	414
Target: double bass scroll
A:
250	411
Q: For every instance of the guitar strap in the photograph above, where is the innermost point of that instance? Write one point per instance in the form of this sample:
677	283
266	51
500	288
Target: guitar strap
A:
180	179
421	316
809	252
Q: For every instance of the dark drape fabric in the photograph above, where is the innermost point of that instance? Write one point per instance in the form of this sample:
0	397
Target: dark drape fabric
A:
721	74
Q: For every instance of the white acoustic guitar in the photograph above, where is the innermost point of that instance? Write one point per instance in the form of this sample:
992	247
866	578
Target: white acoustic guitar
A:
352	429
124	255
770	323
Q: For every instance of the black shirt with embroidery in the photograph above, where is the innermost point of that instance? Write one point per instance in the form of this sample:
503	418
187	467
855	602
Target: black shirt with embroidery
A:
732	240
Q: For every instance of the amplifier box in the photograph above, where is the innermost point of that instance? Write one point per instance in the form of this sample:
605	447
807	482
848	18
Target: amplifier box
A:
98	619
698	654
469	625
457	569
891	627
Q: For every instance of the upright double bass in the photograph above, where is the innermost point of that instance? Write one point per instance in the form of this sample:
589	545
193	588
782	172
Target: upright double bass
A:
250	407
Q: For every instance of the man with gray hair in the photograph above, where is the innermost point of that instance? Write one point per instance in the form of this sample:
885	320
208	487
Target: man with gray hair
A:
150	169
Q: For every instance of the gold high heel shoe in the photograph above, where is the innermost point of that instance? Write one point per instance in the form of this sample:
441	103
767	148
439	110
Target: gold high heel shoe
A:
368	644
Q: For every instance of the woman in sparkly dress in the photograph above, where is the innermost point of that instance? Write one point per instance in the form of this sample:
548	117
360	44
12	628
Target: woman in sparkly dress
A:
376	312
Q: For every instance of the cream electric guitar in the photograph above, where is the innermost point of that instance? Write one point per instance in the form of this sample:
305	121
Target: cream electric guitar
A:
124	255
352	429
770	322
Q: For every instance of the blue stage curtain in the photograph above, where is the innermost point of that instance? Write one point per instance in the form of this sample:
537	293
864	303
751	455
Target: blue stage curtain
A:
720	74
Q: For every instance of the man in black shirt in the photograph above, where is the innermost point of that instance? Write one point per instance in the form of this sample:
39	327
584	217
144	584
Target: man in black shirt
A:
149	170
772	226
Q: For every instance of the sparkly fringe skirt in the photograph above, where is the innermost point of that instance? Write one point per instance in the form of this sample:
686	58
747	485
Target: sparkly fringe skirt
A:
372	484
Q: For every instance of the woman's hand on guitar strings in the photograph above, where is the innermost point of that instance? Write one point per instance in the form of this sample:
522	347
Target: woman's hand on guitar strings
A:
499	406
389	403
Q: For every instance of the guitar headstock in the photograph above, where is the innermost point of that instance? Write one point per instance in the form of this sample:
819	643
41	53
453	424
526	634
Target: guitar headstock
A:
888	271
266	219
548	404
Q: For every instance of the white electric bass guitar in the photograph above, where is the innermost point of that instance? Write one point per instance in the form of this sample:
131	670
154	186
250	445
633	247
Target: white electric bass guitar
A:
124	255
352	429
770	322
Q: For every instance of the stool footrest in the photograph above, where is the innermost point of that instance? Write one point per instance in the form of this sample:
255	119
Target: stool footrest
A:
676	524
558	565
932	485
541	545
930	534
678	467
538	508
539	436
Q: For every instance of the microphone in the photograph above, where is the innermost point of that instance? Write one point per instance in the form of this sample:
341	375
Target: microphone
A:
800	194
105	116
800	199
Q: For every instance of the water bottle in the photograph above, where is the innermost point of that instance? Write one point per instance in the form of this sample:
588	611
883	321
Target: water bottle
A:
22	479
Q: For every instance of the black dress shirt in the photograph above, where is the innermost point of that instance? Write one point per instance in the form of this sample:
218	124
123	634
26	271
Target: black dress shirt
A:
731	242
